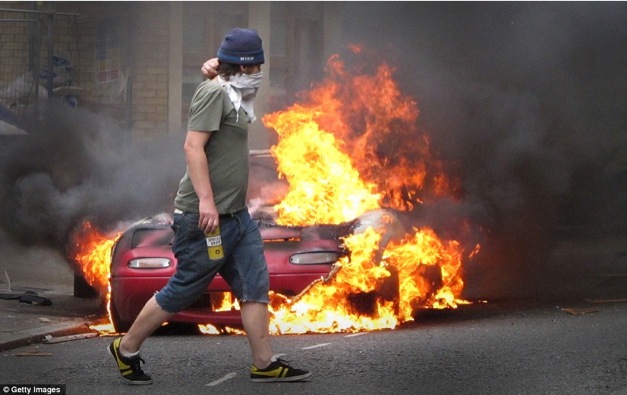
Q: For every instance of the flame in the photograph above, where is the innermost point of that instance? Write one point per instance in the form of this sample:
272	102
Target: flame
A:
223	301
91	251
209	329
324	307
352	146
411	256
312	160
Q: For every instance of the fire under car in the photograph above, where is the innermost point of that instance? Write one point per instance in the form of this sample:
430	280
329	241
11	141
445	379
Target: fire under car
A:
142	262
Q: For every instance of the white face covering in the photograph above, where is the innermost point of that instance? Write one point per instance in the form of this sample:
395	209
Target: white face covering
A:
242	89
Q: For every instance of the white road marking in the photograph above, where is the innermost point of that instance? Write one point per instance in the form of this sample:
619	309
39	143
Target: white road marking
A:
221	380
356	334
316	346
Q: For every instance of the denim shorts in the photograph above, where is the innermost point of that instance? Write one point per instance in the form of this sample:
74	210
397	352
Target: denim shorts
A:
243	265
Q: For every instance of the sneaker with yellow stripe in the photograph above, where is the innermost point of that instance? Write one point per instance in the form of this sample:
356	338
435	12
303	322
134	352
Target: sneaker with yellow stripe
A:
130	367
278	370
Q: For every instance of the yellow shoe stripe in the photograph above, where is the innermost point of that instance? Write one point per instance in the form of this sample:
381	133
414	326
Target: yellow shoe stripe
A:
278	372
121	365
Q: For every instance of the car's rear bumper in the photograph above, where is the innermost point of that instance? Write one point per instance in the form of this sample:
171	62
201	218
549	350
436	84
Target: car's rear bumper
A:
130	294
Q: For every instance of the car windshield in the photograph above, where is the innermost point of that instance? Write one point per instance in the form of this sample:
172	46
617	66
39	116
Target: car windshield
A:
150	237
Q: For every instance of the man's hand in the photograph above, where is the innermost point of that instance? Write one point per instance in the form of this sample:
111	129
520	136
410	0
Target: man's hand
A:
208	218
210	68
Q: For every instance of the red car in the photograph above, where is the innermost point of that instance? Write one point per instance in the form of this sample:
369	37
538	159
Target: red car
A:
142	262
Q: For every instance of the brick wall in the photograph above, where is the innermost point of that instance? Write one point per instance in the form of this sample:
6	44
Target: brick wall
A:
16	89
73	39
150	45
138	97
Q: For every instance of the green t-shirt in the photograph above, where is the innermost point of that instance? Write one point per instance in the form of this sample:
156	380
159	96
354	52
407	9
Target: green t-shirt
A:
212	111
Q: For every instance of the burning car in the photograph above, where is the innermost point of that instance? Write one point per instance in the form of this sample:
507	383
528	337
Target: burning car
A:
142	262
357	167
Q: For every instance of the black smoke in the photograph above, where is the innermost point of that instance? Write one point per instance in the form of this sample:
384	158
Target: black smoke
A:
75	166
526	103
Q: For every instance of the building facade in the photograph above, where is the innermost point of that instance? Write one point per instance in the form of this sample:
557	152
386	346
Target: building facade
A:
139	62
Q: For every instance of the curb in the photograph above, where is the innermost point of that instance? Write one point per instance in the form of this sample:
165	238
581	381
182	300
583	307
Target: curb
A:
34	336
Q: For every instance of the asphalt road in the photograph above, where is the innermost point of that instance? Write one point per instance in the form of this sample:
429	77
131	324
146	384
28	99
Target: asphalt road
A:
495	348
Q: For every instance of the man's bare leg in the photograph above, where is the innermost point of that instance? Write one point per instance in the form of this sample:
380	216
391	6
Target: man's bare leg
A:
255	320
149	320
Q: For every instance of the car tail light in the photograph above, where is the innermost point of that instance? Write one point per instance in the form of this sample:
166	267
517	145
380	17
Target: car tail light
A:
314	258
149	263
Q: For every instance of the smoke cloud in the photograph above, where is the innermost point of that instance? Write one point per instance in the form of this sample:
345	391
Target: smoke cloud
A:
76	166
526	103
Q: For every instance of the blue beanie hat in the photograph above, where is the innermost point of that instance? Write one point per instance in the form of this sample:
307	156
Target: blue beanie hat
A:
241	46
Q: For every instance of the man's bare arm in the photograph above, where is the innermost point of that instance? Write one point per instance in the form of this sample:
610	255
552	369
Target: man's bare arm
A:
198	170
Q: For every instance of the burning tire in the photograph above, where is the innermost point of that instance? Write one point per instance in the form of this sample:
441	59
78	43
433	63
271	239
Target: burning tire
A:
387	224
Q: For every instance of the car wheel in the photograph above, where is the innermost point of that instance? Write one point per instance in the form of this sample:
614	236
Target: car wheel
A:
384	222
119	325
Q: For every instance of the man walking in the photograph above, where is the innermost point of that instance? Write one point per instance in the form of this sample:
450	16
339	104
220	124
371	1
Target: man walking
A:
214	232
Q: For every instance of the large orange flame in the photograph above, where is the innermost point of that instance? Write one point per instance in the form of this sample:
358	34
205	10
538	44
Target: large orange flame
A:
320	173
350	147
